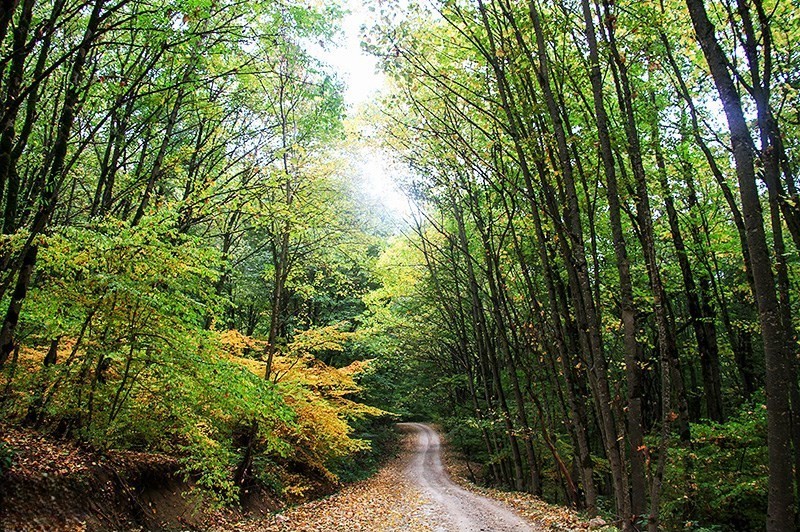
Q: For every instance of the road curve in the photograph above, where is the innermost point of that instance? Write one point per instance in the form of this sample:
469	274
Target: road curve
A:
450	507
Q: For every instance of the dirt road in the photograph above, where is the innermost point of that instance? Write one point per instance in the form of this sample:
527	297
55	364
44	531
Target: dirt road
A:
448	506
411	493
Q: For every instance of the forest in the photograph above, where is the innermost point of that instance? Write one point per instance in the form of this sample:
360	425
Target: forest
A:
594	295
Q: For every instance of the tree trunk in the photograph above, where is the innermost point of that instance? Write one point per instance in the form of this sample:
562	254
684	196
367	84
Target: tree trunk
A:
633	354
702	322
780	516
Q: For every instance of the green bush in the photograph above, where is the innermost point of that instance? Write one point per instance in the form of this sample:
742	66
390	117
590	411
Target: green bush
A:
138	368
722	477
381	433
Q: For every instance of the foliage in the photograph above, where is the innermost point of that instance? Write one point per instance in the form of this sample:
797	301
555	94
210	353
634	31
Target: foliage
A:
721	479
320	431
597	281
184	211
590	276
380	432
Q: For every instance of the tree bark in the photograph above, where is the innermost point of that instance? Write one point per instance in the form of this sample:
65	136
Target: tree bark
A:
780	515
49	192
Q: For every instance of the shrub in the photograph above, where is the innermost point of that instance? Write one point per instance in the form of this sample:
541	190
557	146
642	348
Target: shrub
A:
722	477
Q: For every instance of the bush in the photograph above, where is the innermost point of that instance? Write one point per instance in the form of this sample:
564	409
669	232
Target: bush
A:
381	433
137	367
720	482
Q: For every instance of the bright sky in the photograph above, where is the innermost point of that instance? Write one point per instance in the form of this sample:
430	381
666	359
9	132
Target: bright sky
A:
359	72
358	69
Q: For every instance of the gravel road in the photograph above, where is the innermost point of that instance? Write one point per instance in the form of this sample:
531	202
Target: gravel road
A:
448	506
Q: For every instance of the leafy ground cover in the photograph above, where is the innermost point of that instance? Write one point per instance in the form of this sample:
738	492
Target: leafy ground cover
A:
386	501
390	501
551	516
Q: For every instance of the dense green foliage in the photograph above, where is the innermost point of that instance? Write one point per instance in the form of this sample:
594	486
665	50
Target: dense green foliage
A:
182	251
602	277
725	471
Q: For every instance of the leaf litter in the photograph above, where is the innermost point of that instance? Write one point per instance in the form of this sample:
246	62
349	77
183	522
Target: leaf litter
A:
391	502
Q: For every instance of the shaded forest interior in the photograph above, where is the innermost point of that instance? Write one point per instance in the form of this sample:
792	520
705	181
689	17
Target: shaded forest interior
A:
595	294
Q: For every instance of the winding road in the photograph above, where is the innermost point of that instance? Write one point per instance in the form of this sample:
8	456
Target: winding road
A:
448	506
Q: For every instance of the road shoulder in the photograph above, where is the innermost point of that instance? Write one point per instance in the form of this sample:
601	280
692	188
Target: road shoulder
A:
547	516
385	502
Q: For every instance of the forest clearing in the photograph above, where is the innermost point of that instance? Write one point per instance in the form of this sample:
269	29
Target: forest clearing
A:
241	242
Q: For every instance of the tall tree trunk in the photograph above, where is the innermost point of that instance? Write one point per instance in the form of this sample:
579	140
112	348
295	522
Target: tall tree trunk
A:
575	254
504	325
14	82
703	322
740	340
491	355
780	515
53	178
576	397
633	355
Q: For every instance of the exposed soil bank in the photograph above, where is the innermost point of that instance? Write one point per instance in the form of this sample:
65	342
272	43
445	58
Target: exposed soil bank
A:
59	485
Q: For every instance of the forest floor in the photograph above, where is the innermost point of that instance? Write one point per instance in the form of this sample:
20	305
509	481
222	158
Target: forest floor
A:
414	492
50	484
